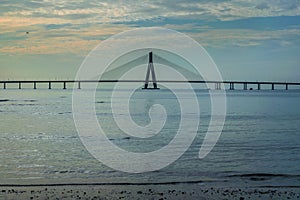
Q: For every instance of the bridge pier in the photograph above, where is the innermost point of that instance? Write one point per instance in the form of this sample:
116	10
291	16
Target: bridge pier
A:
65	85
79	85
20	86
258	86
231	86
4	85
245	86
34	85
272	86
217	86
49	87
286	86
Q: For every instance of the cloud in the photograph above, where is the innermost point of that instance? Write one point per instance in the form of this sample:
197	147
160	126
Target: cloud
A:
119	11
16	23
73	26
220	38
57	26
80	43
57	46
262	6
63	39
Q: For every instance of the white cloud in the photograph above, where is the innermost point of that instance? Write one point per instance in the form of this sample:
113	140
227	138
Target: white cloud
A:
119	11
91	21
242	37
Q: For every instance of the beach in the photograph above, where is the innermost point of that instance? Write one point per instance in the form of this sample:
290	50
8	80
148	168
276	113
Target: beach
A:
177	191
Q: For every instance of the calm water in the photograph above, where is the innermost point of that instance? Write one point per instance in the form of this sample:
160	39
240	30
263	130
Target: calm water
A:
260	143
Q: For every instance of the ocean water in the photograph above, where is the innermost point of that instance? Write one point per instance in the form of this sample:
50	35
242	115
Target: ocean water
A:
259	145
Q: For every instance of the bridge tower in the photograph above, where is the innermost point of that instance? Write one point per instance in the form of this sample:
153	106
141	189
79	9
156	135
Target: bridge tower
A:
150	69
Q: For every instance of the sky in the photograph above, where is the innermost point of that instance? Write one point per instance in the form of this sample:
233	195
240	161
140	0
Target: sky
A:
248	39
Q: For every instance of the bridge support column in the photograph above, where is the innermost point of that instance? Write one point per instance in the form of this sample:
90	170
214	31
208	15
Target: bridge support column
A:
65	85
286	86
49	87
231	86
20	85
34	85
4	85
258	86
217	86
272	86
79	85
245	86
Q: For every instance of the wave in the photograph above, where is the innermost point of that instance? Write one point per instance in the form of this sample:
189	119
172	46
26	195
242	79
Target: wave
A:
264	176
30	100
100	102
26	100
23	104
4	100
63	113
103	183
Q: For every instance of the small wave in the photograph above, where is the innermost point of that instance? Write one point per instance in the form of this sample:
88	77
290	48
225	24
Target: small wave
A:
65	172
63	113
123	138
26	100
104	183
23	104
31	166
4	100
263	176
30	100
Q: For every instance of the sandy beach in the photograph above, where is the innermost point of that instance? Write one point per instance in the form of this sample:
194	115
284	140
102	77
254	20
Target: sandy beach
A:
178	191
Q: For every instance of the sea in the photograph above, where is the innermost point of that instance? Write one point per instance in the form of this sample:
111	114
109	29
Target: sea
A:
259	144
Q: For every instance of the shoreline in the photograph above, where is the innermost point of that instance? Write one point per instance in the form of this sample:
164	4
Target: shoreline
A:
170	191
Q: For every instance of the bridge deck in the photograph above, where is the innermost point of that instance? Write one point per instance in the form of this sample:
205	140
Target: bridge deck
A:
217	83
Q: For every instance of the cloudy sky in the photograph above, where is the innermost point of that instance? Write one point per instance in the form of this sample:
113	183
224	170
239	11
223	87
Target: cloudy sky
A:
248	39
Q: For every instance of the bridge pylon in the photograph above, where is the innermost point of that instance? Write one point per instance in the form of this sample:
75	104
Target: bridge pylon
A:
150	69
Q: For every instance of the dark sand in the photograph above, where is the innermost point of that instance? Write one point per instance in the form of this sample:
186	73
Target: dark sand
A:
177	191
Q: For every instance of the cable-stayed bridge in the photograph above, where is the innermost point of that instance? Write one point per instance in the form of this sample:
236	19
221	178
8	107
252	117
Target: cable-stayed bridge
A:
232	84
114	72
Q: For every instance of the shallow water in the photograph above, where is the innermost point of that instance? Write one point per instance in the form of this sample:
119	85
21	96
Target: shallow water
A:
259	144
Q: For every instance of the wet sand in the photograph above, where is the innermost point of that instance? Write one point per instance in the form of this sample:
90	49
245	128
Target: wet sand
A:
178	191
